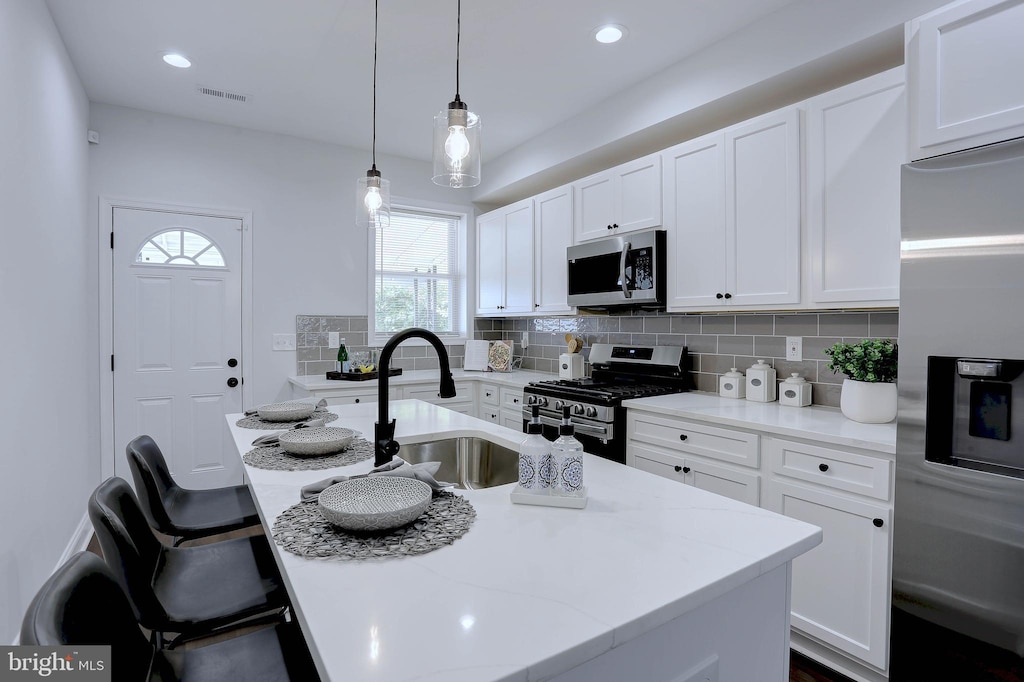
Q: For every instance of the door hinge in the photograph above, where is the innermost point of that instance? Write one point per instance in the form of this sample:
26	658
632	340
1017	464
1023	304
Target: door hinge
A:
111	362
111	239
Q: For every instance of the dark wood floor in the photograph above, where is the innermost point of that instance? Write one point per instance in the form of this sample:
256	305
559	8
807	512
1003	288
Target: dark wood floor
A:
803	669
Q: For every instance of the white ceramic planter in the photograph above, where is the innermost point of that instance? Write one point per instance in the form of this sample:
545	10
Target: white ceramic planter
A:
867	402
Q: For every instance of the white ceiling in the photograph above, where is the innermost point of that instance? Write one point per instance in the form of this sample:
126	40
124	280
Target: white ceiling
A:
306	64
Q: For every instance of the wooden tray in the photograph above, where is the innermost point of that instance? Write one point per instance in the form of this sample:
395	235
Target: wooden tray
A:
360	376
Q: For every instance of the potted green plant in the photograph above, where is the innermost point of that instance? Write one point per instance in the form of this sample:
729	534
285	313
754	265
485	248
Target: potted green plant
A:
869	391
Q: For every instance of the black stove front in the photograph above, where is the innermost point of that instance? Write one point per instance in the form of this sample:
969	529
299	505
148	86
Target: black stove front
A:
619	373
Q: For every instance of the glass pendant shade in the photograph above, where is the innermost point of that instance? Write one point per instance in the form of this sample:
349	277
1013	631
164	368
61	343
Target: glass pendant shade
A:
373	201
456	147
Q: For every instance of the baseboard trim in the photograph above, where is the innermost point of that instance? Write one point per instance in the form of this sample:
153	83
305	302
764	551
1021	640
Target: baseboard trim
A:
79	541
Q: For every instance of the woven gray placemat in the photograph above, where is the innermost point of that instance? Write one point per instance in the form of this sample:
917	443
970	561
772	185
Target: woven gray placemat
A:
254	421
275	458
301	530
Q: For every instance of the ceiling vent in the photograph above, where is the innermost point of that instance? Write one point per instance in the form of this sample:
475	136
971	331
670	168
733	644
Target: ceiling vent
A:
222	94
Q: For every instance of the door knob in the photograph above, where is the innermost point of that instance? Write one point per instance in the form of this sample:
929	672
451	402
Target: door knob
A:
718	295
232	382
823	467
878	523
728	295
232	362
678	468
686	470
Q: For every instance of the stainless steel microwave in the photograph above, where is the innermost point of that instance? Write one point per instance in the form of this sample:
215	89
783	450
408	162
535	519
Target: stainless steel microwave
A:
618	271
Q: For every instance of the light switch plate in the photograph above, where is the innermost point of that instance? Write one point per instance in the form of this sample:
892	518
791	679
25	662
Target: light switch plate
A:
284	342
795	348
333	340
525	343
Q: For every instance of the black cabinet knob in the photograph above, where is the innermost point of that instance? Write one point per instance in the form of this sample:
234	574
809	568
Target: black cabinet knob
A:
232	363
728	295
232	382
718	295
878	523
609	227
357	400
615	225
686	470
822	467
683	436
678	468
515	400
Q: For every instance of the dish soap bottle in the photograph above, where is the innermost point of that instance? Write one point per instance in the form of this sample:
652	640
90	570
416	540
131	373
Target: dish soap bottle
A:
533	452
568	455
343	364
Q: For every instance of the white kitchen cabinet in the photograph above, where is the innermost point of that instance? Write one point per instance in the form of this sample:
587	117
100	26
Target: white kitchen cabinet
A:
856	143
731	482
504	247
552	235
464	400
965	63
840	592
733	205
618	200
511	400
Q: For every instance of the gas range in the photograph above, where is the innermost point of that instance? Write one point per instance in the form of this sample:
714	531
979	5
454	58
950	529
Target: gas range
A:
618	373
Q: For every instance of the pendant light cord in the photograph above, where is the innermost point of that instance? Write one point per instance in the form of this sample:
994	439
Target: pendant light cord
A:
458	45
373	144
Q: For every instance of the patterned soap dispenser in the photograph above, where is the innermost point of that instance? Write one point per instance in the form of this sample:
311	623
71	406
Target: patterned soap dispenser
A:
761	386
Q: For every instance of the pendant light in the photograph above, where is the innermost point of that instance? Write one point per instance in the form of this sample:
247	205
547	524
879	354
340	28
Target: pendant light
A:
373	193
457	135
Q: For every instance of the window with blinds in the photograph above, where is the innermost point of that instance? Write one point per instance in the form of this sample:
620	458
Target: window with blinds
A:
417	278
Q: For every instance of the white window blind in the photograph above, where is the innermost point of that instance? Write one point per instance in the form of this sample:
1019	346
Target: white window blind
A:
417	278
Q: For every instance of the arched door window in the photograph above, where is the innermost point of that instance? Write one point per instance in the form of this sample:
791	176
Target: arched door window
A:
180	247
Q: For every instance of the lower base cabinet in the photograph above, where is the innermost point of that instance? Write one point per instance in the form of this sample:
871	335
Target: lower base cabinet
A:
840	598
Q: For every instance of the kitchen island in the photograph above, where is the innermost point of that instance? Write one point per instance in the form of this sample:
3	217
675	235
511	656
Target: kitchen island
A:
651	581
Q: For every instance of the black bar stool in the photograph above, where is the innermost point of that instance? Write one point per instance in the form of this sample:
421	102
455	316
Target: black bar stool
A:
193	591
180	512
82	604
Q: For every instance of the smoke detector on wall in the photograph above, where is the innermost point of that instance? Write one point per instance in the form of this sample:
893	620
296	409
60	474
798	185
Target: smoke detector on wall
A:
222	94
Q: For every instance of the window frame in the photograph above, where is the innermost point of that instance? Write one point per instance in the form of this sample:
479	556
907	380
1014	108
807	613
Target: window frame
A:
460	276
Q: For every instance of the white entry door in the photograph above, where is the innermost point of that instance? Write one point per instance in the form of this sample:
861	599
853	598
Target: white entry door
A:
178	340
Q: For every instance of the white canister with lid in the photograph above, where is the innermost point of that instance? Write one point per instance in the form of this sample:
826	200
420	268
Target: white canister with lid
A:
795	391
732	384
761	386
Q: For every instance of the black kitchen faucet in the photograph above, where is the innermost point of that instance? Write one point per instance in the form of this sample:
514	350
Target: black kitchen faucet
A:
385	446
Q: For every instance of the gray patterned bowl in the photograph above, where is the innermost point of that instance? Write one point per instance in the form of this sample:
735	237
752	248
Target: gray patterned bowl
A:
319	440
375	503
285	412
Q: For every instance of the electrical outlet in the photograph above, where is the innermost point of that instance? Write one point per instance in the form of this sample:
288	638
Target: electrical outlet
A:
332	339
795	348
525	343
283	342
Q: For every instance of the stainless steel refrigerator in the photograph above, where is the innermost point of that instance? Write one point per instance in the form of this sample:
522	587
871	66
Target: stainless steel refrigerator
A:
958	534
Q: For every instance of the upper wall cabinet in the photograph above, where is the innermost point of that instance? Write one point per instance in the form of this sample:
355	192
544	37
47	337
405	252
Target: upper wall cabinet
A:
856	143
965	63
552	235
621	199
504	248
732	205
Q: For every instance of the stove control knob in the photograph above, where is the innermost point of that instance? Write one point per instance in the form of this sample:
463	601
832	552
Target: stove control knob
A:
542	401
577	409
591	411
559	405
532	400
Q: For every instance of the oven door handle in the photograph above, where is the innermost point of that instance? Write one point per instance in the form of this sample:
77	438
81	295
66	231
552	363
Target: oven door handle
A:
622	270
585	429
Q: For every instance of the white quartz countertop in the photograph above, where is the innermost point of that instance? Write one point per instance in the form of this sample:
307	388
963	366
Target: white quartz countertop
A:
826	424
518	378
529	592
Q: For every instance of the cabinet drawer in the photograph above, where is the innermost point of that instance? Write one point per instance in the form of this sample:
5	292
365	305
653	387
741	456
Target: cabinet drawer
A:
352	399
848	471
489	394
512	420
725	445
490	414
736	484
511	399
429	393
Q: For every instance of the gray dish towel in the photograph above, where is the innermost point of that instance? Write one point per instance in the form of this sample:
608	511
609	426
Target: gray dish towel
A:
321	404
396	467
273	438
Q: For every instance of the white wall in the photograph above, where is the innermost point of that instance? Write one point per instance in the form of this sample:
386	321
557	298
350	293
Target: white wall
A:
308	256
48	348
803	49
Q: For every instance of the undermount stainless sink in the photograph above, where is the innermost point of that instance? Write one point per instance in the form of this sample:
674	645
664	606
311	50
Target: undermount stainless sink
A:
467	461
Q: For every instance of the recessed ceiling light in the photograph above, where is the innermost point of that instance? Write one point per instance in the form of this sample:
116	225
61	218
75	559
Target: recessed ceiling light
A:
611	33
177	60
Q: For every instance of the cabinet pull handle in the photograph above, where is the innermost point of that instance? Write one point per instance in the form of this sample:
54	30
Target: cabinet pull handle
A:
515	400
718	295
878	523
683	436
678	468
357	400
609	227
615	225
686	470
728	295
822	467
